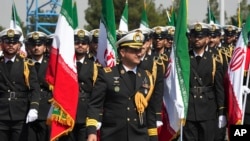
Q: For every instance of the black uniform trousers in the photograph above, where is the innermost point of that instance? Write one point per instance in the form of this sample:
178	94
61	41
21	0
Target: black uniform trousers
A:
38	131
200	129
11	130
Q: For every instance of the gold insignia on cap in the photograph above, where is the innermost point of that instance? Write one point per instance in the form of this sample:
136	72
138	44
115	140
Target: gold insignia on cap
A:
35	36
171	31
158	30
96	33
10	33
197	27
213	27
80	33
138	37
230	28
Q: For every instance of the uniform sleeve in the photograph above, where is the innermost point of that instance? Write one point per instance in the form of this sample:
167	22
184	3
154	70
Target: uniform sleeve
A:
153	107
158	93
219	89
96	102
34	88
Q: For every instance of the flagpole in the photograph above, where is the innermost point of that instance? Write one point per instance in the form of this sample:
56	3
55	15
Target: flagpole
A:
209	14
239	14
245	97
181	131
222	15
14	13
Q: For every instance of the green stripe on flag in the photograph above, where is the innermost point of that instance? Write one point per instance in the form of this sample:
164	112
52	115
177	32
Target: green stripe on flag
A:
108	19
182	55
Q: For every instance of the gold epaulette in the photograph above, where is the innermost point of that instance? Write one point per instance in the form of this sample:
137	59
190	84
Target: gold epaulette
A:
159	61
164	57
107	69
98	64
90	55
29	61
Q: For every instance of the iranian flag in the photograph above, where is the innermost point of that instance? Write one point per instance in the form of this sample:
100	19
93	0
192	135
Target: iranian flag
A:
15	23
144	18
62	74
176	88
124	20
75	15
234	78
106	51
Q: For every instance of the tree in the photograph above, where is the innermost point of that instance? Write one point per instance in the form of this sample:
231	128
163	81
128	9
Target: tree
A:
43	19
156	16
214	7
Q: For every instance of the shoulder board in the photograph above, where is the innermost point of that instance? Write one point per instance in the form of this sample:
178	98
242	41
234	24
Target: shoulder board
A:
90	55
107	69
1	58
29	61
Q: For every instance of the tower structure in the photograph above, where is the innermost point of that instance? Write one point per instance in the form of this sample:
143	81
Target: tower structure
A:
42	16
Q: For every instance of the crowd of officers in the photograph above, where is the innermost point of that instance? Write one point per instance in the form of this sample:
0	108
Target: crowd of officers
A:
123	102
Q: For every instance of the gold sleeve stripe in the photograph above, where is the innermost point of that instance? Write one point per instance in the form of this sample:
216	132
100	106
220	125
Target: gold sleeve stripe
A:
91	122
34	103
152	132
222	108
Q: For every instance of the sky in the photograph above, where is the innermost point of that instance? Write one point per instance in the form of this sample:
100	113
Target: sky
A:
196	9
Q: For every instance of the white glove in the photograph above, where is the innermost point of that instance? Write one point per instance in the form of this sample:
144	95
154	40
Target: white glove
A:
222	121
246	90
159	123
99	125
32	115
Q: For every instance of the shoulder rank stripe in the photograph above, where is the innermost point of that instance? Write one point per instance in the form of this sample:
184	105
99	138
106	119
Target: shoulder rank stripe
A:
107	69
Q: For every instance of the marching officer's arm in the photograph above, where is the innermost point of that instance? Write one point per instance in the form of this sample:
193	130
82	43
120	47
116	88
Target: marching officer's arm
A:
95	103
31	81
219	88
158	89
151	117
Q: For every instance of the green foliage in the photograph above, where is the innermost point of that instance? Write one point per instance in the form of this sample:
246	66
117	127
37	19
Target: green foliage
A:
244	11
156	16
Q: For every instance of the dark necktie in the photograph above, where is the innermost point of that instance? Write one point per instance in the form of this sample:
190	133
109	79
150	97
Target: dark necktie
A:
9	65
198	59
37	65
132	78
78	65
